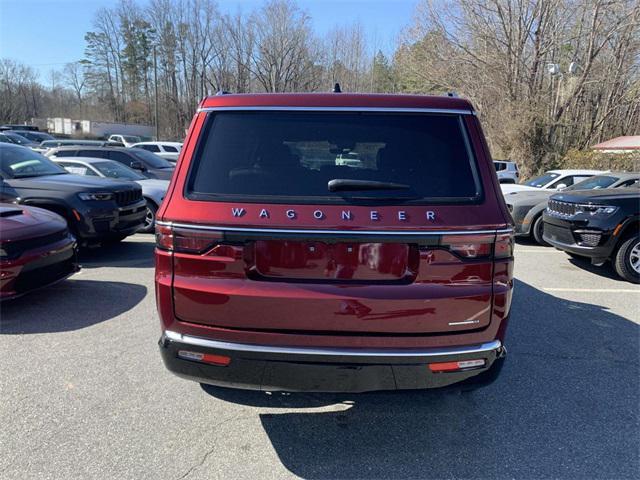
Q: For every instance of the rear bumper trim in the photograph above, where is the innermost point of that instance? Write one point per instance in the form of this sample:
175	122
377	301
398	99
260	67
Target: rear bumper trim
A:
411	233
320	352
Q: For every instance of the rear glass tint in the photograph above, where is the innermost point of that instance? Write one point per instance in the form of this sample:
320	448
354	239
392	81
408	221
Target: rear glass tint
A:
292	156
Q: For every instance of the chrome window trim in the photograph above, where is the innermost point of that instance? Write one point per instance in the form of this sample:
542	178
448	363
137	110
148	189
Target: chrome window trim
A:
315	351
341	109
331	232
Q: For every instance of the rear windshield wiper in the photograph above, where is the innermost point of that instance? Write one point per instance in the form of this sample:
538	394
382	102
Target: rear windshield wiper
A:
343	184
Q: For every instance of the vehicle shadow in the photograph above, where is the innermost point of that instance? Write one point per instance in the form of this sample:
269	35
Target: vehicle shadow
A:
606	270
125	254
564	407
57	308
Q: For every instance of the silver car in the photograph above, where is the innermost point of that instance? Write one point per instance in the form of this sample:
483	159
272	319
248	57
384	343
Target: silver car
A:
153	190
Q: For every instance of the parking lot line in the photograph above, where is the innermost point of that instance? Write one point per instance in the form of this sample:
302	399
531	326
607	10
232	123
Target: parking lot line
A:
537	250
593	290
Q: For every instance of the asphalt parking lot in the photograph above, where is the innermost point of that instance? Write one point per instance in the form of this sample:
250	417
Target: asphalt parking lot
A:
84	394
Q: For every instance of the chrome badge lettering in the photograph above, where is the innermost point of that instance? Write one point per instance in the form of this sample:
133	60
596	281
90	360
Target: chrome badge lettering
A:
346	215
238	212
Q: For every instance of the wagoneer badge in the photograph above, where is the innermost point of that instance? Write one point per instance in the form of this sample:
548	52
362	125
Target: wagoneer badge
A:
292	214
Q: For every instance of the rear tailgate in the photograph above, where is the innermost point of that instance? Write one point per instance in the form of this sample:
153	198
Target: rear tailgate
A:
426	284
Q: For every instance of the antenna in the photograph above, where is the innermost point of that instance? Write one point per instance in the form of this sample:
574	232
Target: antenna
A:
336	88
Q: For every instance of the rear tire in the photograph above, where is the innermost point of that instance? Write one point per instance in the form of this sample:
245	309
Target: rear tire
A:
538	230
627	260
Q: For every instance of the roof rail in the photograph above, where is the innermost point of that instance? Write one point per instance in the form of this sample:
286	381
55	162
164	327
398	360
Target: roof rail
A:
222	92
452	95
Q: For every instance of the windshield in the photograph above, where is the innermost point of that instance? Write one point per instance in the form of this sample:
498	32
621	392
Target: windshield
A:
131	139
542	180
334	157
18	162
150	159
34	136
117	170
19	139
599	181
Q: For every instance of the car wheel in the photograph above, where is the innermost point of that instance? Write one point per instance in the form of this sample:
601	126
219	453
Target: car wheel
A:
627	261
538	230
150	218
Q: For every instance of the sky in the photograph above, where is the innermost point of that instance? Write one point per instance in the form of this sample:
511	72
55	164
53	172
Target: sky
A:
46	34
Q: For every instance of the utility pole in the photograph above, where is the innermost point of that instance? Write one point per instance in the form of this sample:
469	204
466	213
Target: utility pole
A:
155	88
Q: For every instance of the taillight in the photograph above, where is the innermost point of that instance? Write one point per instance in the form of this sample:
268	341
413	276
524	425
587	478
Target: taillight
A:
479	246
164	237
186	240
504	245
469	246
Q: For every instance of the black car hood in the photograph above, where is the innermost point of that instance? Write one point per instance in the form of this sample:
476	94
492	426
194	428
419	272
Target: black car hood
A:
598	196
70	183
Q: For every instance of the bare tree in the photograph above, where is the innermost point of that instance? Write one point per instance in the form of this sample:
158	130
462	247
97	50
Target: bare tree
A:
546	75
73	74
283	59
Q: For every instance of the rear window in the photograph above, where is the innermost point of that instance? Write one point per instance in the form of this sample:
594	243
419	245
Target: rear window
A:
281	156
593	183
149	148
150	159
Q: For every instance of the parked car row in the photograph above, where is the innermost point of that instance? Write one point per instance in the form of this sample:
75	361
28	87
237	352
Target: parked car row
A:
50	208
83	192
576	221
29	136
96	209
152	166
153	190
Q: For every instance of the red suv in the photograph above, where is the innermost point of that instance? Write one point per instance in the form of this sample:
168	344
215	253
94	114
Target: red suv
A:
334	242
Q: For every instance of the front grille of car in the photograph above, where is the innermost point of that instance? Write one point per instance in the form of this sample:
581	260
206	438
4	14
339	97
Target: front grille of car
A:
128	197
562	209
32	279
15	249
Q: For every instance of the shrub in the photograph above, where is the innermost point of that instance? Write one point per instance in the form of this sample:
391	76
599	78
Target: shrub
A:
594	160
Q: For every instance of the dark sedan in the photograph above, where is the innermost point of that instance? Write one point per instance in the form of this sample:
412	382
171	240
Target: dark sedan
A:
36	250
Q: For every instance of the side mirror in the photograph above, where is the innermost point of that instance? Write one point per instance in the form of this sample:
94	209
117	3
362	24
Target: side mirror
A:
561	186
138	166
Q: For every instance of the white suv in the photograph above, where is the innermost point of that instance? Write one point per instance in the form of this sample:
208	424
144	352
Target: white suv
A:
507	171
551	180
167	150
126	140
